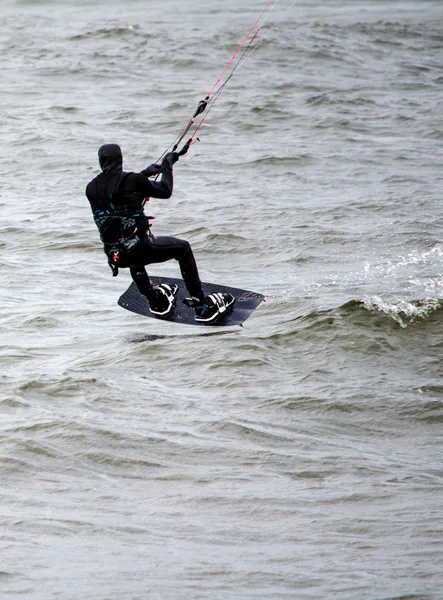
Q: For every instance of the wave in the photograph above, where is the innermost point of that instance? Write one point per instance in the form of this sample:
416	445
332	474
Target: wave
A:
282	160
354	319
108	32
403	312
396	32
400	312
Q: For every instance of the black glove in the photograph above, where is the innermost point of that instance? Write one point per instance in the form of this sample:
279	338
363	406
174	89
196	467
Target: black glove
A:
152	170
185	148
170	159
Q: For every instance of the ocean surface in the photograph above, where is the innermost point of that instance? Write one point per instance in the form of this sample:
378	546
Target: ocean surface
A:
300	457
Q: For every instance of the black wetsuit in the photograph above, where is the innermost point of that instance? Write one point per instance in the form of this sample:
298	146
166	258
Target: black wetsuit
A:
117	200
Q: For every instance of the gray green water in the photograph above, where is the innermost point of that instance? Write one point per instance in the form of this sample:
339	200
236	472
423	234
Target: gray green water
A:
300	457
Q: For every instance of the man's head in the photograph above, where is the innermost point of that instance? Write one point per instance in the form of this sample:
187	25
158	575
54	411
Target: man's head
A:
110	158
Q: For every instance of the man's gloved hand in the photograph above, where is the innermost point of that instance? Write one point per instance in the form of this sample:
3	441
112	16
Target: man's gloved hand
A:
152	170
170	159
185	148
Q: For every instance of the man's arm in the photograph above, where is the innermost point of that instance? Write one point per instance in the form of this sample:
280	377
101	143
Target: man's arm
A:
152	170
153	189
162	188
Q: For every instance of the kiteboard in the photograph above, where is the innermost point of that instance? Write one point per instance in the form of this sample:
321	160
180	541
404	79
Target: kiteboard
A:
245	303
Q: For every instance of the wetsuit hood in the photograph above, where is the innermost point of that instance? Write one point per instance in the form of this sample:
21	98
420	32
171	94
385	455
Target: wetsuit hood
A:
110	158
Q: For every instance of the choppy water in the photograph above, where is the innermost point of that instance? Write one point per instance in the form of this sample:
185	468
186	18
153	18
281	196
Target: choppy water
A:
300	457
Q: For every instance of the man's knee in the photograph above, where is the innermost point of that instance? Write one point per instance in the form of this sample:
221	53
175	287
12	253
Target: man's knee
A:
187	250
182	249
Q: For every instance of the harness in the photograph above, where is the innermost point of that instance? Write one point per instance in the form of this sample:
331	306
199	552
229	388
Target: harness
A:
121	226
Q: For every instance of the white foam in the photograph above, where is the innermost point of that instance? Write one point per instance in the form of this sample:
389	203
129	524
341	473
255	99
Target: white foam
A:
403	312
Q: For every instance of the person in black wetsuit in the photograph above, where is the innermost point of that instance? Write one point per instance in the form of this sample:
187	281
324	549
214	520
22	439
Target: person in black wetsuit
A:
117	199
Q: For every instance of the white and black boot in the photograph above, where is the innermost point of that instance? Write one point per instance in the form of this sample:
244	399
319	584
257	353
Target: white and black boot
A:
162	300
214	306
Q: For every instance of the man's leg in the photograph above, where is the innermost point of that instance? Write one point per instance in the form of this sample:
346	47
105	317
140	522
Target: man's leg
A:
141	280
164	248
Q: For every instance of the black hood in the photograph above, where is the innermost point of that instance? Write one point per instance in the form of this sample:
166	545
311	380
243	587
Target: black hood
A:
110	158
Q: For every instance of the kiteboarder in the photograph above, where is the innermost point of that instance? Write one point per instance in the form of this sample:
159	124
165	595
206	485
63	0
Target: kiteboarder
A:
117	200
